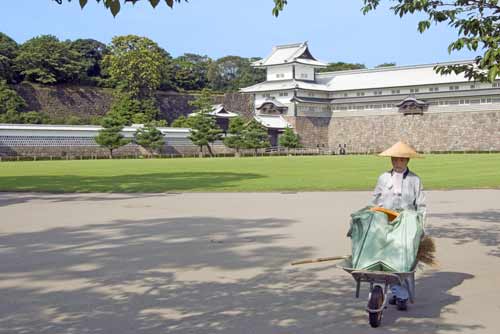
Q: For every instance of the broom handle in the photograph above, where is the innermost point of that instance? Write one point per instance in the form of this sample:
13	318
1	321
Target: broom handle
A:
321	259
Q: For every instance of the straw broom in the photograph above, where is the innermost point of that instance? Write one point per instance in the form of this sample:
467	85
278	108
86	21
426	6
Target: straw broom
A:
426	251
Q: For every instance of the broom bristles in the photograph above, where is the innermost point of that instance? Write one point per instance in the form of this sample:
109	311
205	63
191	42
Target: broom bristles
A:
426	251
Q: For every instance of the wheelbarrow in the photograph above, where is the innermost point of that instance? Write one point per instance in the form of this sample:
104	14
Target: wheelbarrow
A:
379	282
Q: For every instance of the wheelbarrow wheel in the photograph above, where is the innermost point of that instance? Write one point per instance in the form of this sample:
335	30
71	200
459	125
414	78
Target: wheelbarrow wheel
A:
375	303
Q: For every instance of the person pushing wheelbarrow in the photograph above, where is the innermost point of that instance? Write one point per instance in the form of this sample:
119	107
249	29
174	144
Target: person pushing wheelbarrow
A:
400	189
388	237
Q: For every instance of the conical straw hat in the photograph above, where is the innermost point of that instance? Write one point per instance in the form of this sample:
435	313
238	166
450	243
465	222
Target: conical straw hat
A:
400	150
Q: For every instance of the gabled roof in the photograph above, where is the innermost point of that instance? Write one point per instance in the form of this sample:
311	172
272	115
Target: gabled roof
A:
218	110
289	53
412	101
272	121
317	100
283	85
272	101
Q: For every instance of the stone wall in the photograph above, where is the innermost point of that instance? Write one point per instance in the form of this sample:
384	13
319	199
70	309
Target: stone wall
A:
313	131
74	152
430	132
62	101
239	103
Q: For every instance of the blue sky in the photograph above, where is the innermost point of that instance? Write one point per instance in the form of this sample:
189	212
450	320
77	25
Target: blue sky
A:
336	29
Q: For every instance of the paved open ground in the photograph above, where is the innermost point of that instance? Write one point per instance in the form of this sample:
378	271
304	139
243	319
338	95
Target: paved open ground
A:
219	263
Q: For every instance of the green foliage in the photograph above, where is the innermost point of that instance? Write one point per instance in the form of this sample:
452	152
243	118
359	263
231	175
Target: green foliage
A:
46	60
232	72
181	122
137	65
90	53
114	6
150	138
289	139
204	130
255	136
190	71
33	117
236	138
392	64
110	135
341	66
74	120
134	110
96	120
8	52
9	99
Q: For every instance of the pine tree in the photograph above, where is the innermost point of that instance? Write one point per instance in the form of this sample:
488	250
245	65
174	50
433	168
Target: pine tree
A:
235	139
289	139
255	136
110	135
204	130
150	138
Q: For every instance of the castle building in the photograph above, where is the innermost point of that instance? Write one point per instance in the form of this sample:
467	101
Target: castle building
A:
324	107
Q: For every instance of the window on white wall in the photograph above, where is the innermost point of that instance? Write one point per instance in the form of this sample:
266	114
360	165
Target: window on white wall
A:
434	89
414	90
454	87
280	75
346	94
377	92
303	75
495	85
311	94
283	94
395	91
360	94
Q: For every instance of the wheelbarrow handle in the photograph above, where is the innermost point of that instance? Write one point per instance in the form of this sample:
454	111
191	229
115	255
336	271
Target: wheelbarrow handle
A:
321	259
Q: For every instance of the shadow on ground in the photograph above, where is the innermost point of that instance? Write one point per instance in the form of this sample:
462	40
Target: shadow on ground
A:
127	277
482	226
152	182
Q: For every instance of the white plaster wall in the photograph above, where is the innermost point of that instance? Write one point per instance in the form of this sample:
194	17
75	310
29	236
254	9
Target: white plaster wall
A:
272	72
303	69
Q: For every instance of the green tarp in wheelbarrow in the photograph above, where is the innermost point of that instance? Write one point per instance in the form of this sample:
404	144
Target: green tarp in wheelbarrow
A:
378	244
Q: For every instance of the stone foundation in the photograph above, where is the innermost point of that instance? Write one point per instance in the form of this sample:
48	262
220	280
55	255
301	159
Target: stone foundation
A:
430	132
313	131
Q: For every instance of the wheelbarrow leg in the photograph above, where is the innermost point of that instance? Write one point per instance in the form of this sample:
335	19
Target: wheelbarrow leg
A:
358	287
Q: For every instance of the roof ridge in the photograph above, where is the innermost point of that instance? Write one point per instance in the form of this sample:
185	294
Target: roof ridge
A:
394	68
291	45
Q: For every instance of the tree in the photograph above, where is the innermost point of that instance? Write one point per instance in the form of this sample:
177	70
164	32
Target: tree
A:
110	135
136	65
9	99
236	139
8	52
190	71
181	122
90	53
133	110
386	65
232	72
476	21
255	136
204	130
150	138
33	117
46	60
289	139
341	66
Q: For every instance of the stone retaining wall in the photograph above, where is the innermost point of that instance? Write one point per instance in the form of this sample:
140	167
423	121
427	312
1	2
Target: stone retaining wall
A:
430	132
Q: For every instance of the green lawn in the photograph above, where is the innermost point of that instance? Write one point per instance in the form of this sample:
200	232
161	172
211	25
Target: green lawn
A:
447	171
